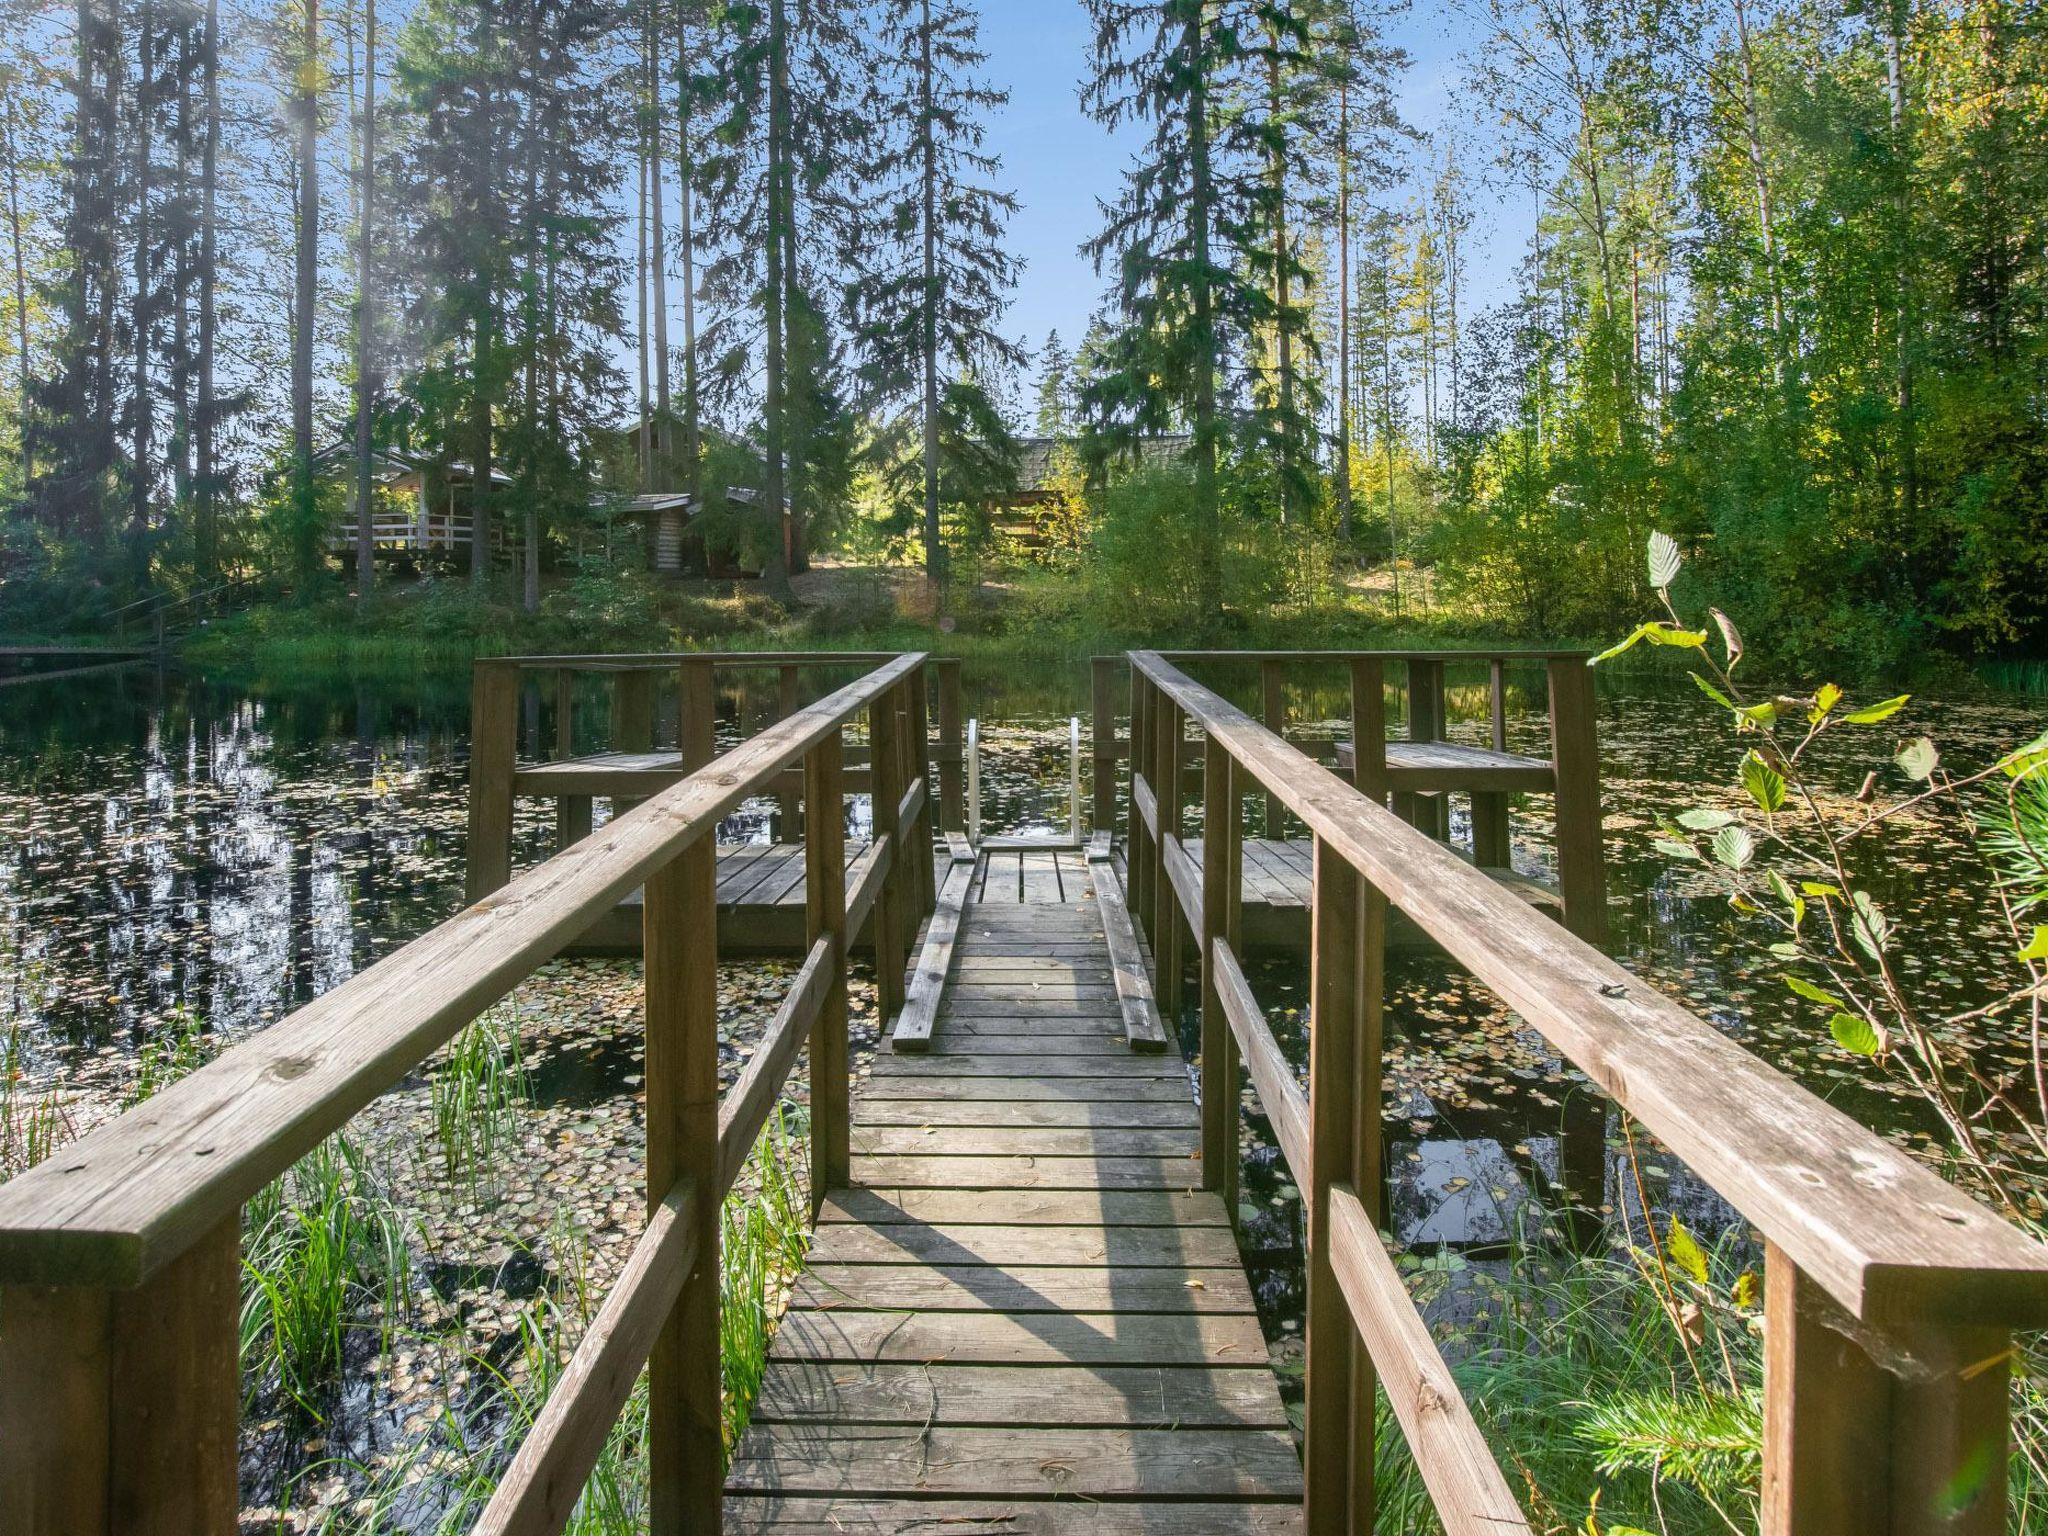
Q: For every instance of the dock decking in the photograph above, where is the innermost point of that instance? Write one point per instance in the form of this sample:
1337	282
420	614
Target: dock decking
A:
1024	1315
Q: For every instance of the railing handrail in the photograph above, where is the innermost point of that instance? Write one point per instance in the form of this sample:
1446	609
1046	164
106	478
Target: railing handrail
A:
661	660
116	1206
1380	653
1890	1241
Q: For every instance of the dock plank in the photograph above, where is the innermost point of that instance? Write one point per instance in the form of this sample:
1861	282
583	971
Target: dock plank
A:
1023	1312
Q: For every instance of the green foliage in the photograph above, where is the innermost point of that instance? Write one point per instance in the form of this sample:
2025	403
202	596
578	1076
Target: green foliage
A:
476	1093
319	1246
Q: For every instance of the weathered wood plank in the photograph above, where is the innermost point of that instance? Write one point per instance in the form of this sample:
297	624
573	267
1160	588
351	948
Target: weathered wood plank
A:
1139	1009
958	1064
1123	1247
1043	1463
1115	1090
1015	1141
1028	1172
1019	1113
1025	1207
1020	1289
798	1515
1112	1397
920	1014
991	1338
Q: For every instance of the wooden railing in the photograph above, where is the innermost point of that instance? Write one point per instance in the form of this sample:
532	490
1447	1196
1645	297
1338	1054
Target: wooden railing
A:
120	1385
1570	773
1890	1296
506	688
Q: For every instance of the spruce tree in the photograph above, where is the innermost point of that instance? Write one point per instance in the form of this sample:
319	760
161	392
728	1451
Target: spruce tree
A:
937	277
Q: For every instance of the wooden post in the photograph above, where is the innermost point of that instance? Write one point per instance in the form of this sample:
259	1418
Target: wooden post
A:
885	762
632	711
1575	763
952	749
1347	921
1497	702
1492	846
1138	847
1430	813
918	836
493	758
1169	730
1369	727
122	1407
696	712
572	812
1102	727
1220	1072
825	913
1849	1447
788	828
1273	713
686	1453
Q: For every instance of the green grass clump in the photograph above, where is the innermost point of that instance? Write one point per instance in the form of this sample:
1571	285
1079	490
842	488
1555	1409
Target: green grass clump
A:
476	1094
767	1223
321	1248
32	1125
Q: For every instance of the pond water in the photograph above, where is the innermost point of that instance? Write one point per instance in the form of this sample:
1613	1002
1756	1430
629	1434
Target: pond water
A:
179	853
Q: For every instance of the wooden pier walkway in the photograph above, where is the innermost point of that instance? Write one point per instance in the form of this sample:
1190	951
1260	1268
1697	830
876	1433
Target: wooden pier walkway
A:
1025	1314
1023	1311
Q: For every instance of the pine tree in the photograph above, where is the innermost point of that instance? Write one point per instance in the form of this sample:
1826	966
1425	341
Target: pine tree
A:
1183	236
936	279
1055	389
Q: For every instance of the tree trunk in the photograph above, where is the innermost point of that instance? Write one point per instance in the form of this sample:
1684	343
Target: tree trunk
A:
305	291
646	433
1344	312
775	573
658	248
366	316
181	286
484	335
1903	244
1283	335
7	126
1201	199
686	168
934	549
206	524
142	470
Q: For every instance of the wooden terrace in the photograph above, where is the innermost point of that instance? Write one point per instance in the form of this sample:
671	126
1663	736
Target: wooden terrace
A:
1023	1309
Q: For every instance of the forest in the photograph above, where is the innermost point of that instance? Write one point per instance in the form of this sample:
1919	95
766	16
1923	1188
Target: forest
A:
273	267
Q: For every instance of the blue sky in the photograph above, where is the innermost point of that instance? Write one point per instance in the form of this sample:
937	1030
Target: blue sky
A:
1060	163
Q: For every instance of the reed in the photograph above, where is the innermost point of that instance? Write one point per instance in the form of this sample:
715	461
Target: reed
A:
476	1094
321	1248
32	1124
173	1049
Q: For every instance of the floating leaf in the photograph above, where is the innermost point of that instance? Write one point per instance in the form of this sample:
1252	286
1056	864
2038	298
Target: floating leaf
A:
1706	819
1917	758
1765	784
1854	1035
1870	714
1664	560
1803	988
1685	1252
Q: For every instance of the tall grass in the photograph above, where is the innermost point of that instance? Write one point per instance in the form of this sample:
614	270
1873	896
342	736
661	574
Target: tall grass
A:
174	1049
767	1223
32	1125
322	1248
476	1093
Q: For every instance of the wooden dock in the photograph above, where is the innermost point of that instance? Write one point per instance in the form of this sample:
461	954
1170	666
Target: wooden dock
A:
1025	1314
1024	1311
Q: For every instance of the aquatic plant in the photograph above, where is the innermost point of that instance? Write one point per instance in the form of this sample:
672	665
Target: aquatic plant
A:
175	1048
32	1125
476	1093
321	1246
766	1232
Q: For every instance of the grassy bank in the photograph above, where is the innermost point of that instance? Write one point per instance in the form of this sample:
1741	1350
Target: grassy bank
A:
1032	616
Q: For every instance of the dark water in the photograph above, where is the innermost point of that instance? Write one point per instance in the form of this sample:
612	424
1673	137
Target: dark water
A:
172	848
